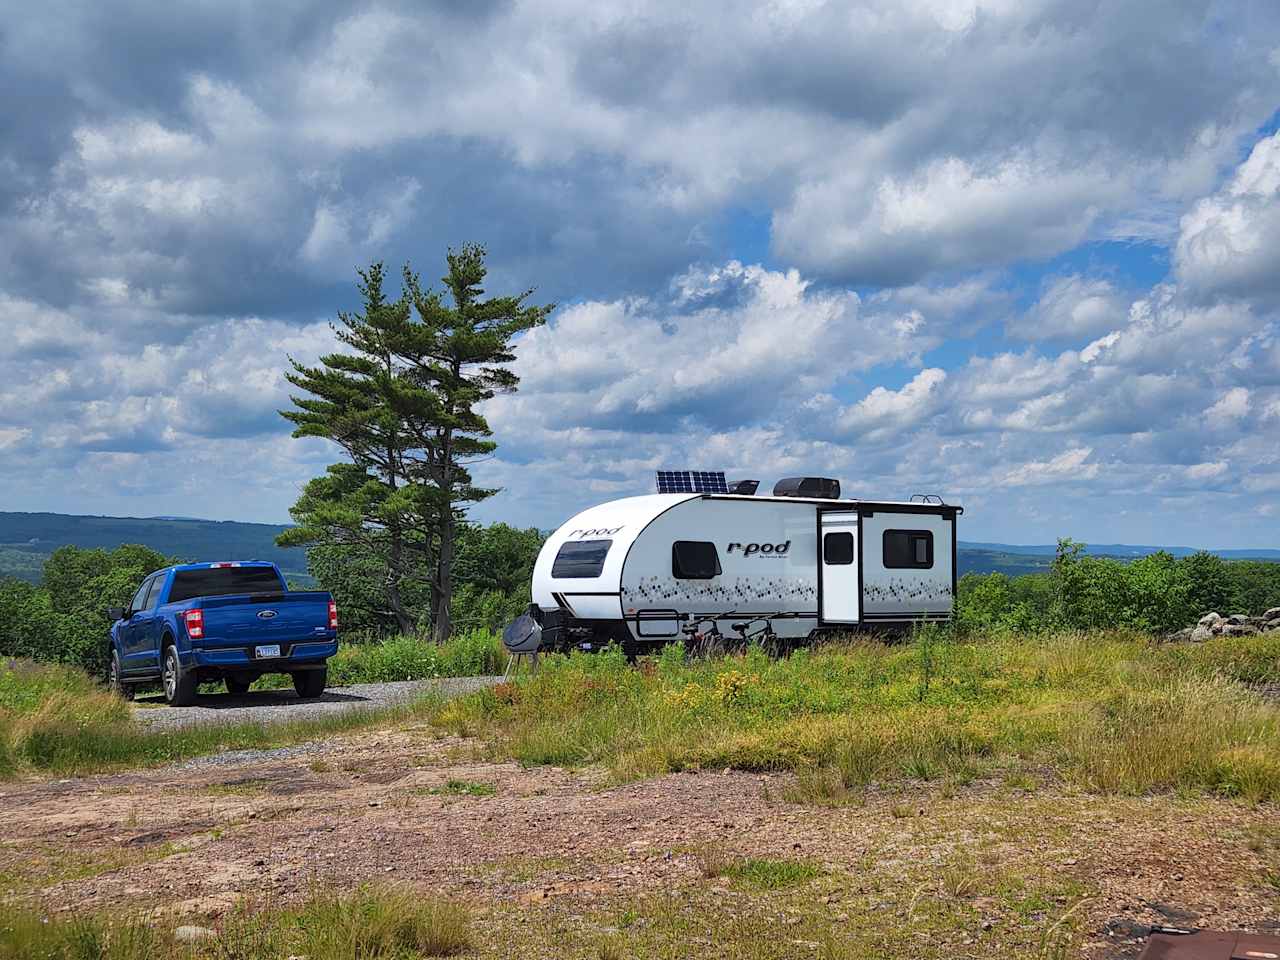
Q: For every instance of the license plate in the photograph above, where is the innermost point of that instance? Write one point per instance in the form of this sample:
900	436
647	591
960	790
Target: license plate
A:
268	651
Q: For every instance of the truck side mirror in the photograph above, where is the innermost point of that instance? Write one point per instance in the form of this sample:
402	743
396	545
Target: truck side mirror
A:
116	613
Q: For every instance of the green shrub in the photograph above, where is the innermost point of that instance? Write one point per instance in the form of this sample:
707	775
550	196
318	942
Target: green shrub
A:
471	654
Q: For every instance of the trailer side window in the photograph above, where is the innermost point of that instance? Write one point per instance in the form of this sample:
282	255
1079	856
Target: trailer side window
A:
580	558
837	549
910	549
694	560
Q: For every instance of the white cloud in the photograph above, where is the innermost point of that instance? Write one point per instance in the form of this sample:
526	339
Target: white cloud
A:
949	215
1207	471
883	409
1230	242
1230	407
739	343
1069	466
1071	306
11	436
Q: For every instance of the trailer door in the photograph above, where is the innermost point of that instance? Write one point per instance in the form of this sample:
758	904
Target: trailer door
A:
839	565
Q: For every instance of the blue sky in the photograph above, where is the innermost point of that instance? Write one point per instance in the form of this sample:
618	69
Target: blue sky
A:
1021	253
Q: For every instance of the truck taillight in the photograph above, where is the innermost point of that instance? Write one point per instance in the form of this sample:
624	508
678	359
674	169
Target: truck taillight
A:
195	623
333	615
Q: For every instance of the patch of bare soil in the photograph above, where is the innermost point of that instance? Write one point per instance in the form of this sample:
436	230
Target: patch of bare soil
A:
407	806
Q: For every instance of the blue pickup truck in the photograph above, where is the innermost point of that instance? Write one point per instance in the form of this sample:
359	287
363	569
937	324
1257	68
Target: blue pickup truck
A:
200	622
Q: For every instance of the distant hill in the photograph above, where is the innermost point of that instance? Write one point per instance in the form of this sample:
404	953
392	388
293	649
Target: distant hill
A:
26	539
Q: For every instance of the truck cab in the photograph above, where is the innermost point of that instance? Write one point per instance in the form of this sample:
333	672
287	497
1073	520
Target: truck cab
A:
230	621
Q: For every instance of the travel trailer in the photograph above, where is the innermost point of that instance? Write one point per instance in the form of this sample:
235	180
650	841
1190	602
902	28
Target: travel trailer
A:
699	563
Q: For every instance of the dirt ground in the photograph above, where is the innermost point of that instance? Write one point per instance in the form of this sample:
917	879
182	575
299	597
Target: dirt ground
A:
552	861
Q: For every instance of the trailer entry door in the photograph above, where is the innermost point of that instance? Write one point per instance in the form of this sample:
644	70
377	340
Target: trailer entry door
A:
838	555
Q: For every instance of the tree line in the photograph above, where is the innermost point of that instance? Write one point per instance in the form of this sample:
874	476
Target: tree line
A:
1158	593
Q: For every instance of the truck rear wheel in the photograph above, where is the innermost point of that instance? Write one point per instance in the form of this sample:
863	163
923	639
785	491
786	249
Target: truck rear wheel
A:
310	683
179	685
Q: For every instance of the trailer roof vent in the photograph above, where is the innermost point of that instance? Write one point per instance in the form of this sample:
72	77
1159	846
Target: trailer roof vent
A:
820	487
744	488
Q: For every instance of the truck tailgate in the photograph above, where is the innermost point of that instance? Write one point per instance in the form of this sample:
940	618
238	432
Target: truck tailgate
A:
264	618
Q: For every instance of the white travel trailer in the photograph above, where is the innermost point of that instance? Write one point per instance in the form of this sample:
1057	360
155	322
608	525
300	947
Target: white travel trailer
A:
648	570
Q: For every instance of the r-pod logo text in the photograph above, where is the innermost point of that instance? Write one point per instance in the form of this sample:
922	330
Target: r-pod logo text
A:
761	549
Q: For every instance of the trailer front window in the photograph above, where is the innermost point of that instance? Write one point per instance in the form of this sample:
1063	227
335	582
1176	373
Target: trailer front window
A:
694	560
908	549
580	559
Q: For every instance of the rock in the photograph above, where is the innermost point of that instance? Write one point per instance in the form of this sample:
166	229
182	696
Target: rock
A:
190	934
1238	630
1272	614
1237	619
1209	619
1200	634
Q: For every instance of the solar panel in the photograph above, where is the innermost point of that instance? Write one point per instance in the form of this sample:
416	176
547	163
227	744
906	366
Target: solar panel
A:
709	481
692	481
674	481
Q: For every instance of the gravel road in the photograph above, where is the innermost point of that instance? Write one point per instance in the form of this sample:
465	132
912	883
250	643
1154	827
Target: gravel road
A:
275	706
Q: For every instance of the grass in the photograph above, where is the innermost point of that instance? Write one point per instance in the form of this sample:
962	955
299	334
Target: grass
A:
55	719
464	788
1109	711
758	873
44	866
472	654
371	923
766	874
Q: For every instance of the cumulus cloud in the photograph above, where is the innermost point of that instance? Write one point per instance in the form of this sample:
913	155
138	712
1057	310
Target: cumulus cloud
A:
737	343
1230	407
882	410
1229	243
1071	306
1068	465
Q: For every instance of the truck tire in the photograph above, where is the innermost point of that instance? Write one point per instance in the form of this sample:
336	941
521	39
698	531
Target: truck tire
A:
179	685
238	685
115	678
310	683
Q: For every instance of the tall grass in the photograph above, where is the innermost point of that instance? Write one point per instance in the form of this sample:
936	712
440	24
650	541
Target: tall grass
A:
371	923
1109	710
56	719
472	654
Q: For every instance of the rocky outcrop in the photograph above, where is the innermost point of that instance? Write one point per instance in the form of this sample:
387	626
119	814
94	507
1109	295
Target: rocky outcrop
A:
1235	625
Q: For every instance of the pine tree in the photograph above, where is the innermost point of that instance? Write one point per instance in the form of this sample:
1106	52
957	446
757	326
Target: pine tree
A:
357	400
457	352
402	405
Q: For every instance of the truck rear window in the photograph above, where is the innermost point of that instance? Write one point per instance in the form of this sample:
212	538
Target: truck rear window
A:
223	582
581	558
